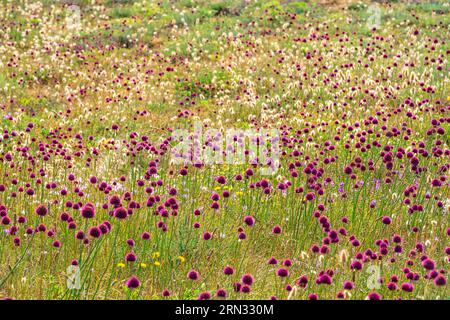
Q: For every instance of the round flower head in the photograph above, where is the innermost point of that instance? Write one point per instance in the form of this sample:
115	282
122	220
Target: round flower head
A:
88	211
79	235
407	287
324	279
428	264
130	257
115	201
356	265
246	288
204	296
193	275
221	180
287	263
249	220
221	293
207	235
166	293
282	272
302	281
133	282
373	296
95	232
247	279
313	296
392	286
348	285
440	281
41	210
121	213
276	230
228	270
386	220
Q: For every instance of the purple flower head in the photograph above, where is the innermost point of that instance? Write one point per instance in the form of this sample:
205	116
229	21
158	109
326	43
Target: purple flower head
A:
282	272
88	211
228	270
374	296
247	279
133	282
41	210
249	220
193	275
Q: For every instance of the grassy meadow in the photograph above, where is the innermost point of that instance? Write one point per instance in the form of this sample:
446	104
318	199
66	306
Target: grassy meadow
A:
97	201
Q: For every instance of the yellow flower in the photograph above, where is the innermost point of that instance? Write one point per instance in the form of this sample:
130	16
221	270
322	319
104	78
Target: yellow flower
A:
217	188
156	255
157	263
121	265
143	265
182	259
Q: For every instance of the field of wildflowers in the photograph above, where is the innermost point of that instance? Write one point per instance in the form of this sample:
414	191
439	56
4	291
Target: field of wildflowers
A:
234	149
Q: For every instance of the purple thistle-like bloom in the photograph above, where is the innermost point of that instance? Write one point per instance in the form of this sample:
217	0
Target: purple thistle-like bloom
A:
245	289
348	285
247	279
386	220
204	296
392	286
228	270
302	281
282	272
221	293
207	235
287	263
407	287
130	257
79	235
374	296
193	275
95	232
88	211
121	213
428	264
356	265
41	210
133	282
313	296
440	281
324	279
276	230
249	220
221	180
